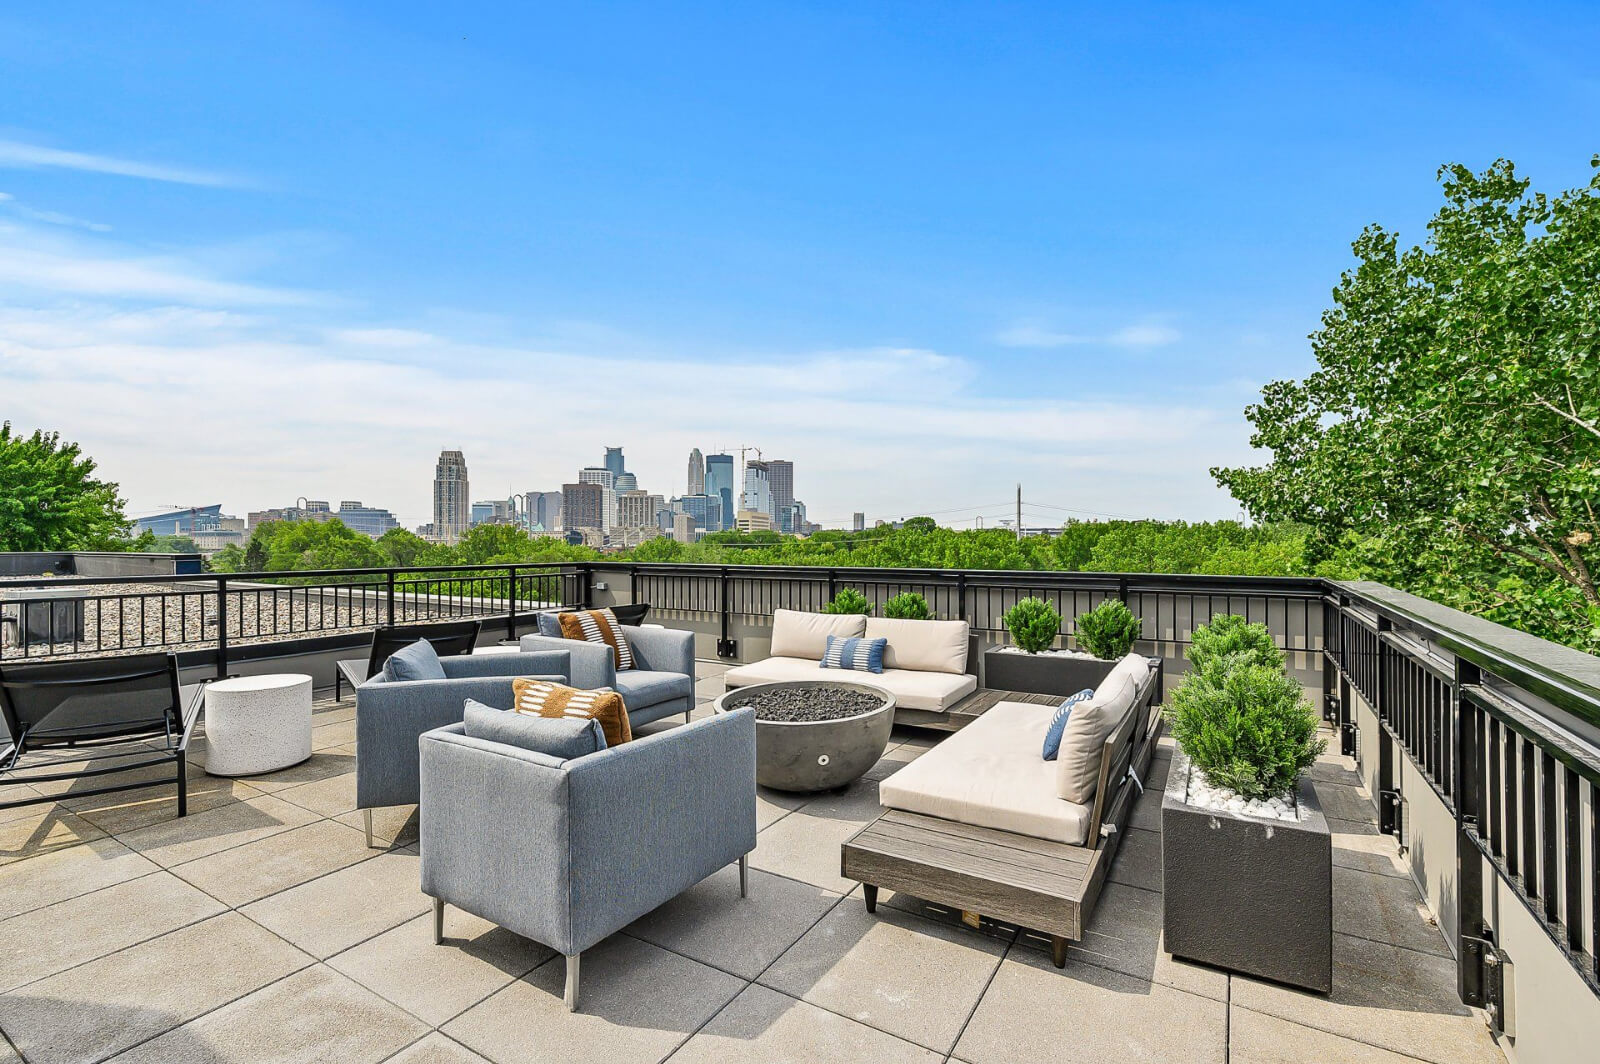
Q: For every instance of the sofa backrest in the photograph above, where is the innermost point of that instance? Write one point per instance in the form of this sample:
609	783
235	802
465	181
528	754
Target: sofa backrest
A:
922	646
1078	764
797	634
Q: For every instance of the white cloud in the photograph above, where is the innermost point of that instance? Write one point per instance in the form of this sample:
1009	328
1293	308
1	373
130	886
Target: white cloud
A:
1034	334
19	156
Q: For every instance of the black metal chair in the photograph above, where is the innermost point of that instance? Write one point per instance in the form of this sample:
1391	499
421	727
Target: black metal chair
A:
447	637
63	713
632	614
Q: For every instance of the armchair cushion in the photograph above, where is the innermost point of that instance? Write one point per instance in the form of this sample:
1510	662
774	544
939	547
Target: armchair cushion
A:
563	737
599	626
541	699
419	661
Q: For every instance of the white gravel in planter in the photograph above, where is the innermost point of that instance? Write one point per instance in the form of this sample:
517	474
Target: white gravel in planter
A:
1202	795
1010	649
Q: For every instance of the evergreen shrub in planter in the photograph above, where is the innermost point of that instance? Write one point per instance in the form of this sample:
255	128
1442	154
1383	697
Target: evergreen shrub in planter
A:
849	600
908	606
1106	633
1246	857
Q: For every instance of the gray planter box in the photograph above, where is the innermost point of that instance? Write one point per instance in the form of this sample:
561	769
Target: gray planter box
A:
1253	896
1042	674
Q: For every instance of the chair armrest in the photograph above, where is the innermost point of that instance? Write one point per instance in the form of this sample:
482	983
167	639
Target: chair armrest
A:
542	663
650	818
494	821
592	665
661	649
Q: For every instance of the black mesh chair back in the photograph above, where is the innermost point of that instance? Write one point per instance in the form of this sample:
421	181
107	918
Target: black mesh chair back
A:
632	614
91	701
448	637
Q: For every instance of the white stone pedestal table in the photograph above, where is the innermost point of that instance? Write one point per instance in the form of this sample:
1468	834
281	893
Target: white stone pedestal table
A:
257	724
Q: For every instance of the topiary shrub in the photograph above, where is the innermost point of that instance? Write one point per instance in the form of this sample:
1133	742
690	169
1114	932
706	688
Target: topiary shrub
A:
849	600
1034	624
1247	727
1109	630
1231	640
907	606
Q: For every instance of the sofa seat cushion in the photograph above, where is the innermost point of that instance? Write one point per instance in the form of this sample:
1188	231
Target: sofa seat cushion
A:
989	774
643	687
923	646
933	692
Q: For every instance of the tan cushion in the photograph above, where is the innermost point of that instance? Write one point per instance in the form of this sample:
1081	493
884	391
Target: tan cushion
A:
1133	665
1082	744
544	699
934	692
796	634
599	626
924	646
990	774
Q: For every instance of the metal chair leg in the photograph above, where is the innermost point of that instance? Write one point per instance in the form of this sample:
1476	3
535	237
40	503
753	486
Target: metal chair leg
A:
744	875
438	921
572	982
367	816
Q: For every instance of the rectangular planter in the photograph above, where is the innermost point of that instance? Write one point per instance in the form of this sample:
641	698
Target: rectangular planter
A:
1042	674
1248	894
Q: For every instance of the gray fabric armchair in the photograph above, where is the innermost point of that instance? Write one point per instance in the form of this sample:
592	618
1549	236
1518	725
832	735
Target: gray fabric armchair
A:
390	715
661	683
568	852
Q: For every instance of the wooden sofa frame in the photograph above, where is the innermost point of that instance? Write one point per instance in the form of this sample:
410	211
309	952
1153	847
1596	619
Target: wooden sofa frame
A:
1035	883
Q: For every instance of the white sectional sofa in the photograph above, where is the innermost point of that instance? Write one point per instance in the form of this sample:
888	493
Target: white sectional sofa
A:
924	662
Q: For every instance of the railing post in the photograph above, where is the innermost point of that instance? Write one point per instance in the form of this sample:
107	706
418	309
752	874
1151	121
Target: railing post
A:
833	582
588	585
1470	930
511	607
725	645
222	628
961	596
389	600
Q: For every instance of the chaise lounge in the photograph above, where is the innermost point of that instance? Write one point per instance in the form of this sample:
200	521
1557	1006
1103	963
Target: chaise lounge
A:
984	824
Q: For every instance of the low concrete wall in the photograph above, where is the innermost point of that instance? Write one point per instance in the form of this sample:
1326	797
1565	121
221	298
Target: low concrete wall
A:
96	563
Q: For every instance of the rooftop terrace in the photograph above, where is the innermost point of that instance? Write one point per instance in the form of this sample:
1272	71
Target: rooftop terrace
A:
261	927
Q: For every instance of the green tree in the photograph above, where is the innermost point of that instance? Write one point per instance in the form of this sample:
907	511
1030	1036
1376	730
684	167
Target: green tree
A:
402	547
1449	439
50	498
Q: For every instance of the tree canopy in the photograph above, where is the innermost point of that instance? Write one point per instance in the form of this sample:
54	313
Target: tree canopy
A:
1449	440
50	498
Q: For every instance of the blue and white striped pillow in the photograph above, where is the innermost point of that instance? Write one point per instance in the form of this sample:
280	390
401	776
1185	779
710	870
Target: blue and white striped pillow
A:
1058	723
856	654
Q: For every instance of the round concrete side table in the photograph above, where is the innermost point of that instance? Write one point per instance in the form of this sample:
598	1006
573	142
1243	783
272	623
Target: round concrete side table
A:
257	724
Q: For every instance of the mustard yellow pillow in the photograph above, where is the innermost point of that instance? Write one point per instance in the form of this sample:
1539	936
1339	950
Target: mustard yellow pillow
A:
541	698
599	626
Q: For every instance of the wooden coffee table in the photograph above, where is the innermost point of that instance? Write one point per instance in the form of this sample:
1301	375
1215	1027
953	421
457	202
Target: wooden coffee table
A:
969	709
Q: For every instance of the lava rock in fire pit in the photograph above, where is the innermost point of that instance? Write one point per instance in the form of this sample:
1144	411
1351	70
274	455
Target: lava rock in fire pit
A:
808	703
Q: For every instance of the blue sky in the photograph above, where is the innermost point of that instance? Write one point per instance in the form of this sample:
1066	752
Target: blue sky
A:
253	252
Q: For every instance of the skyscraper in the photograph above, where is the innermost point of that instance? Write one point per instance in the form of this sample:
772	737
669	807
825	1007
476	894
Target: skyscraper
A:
780	474
705	509
583	505
452	504
625	482
757	495
608	490
697	473
858	522
719	482
614	462
636	509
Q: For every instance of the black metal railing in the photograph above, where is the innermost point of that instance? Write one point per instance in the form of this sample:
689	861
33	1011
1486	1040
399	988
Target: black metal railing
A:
1502	727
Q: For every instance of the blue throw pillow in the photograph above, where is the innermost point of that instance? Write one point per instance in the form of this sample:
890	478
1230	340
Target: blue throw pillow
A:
1058	723
550	625
418	661
563	737
856	654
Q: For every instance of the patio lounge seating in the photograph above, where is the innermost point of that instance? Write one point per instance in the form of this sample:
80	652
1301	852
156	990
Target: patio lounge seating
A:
447	638
924	662
101	717
567	852
661	683
978	823
392	714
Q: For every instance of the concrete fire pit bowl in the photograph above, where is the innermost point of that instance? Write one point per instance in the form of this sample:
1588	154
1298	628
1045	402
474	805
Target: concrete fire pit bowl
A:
815	735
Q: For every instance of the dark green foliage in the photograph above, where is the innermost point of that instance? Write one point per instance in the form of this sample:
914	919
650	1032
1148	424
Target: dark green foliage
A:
1034	624
50	498
908	606
1230	640
1244	723
849	600
1248	728
1109	630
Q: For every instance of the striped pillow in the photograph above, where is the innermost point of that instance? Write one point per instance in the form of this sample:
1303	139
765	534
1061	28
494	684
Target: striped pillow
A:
599	626
855	653
541	698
